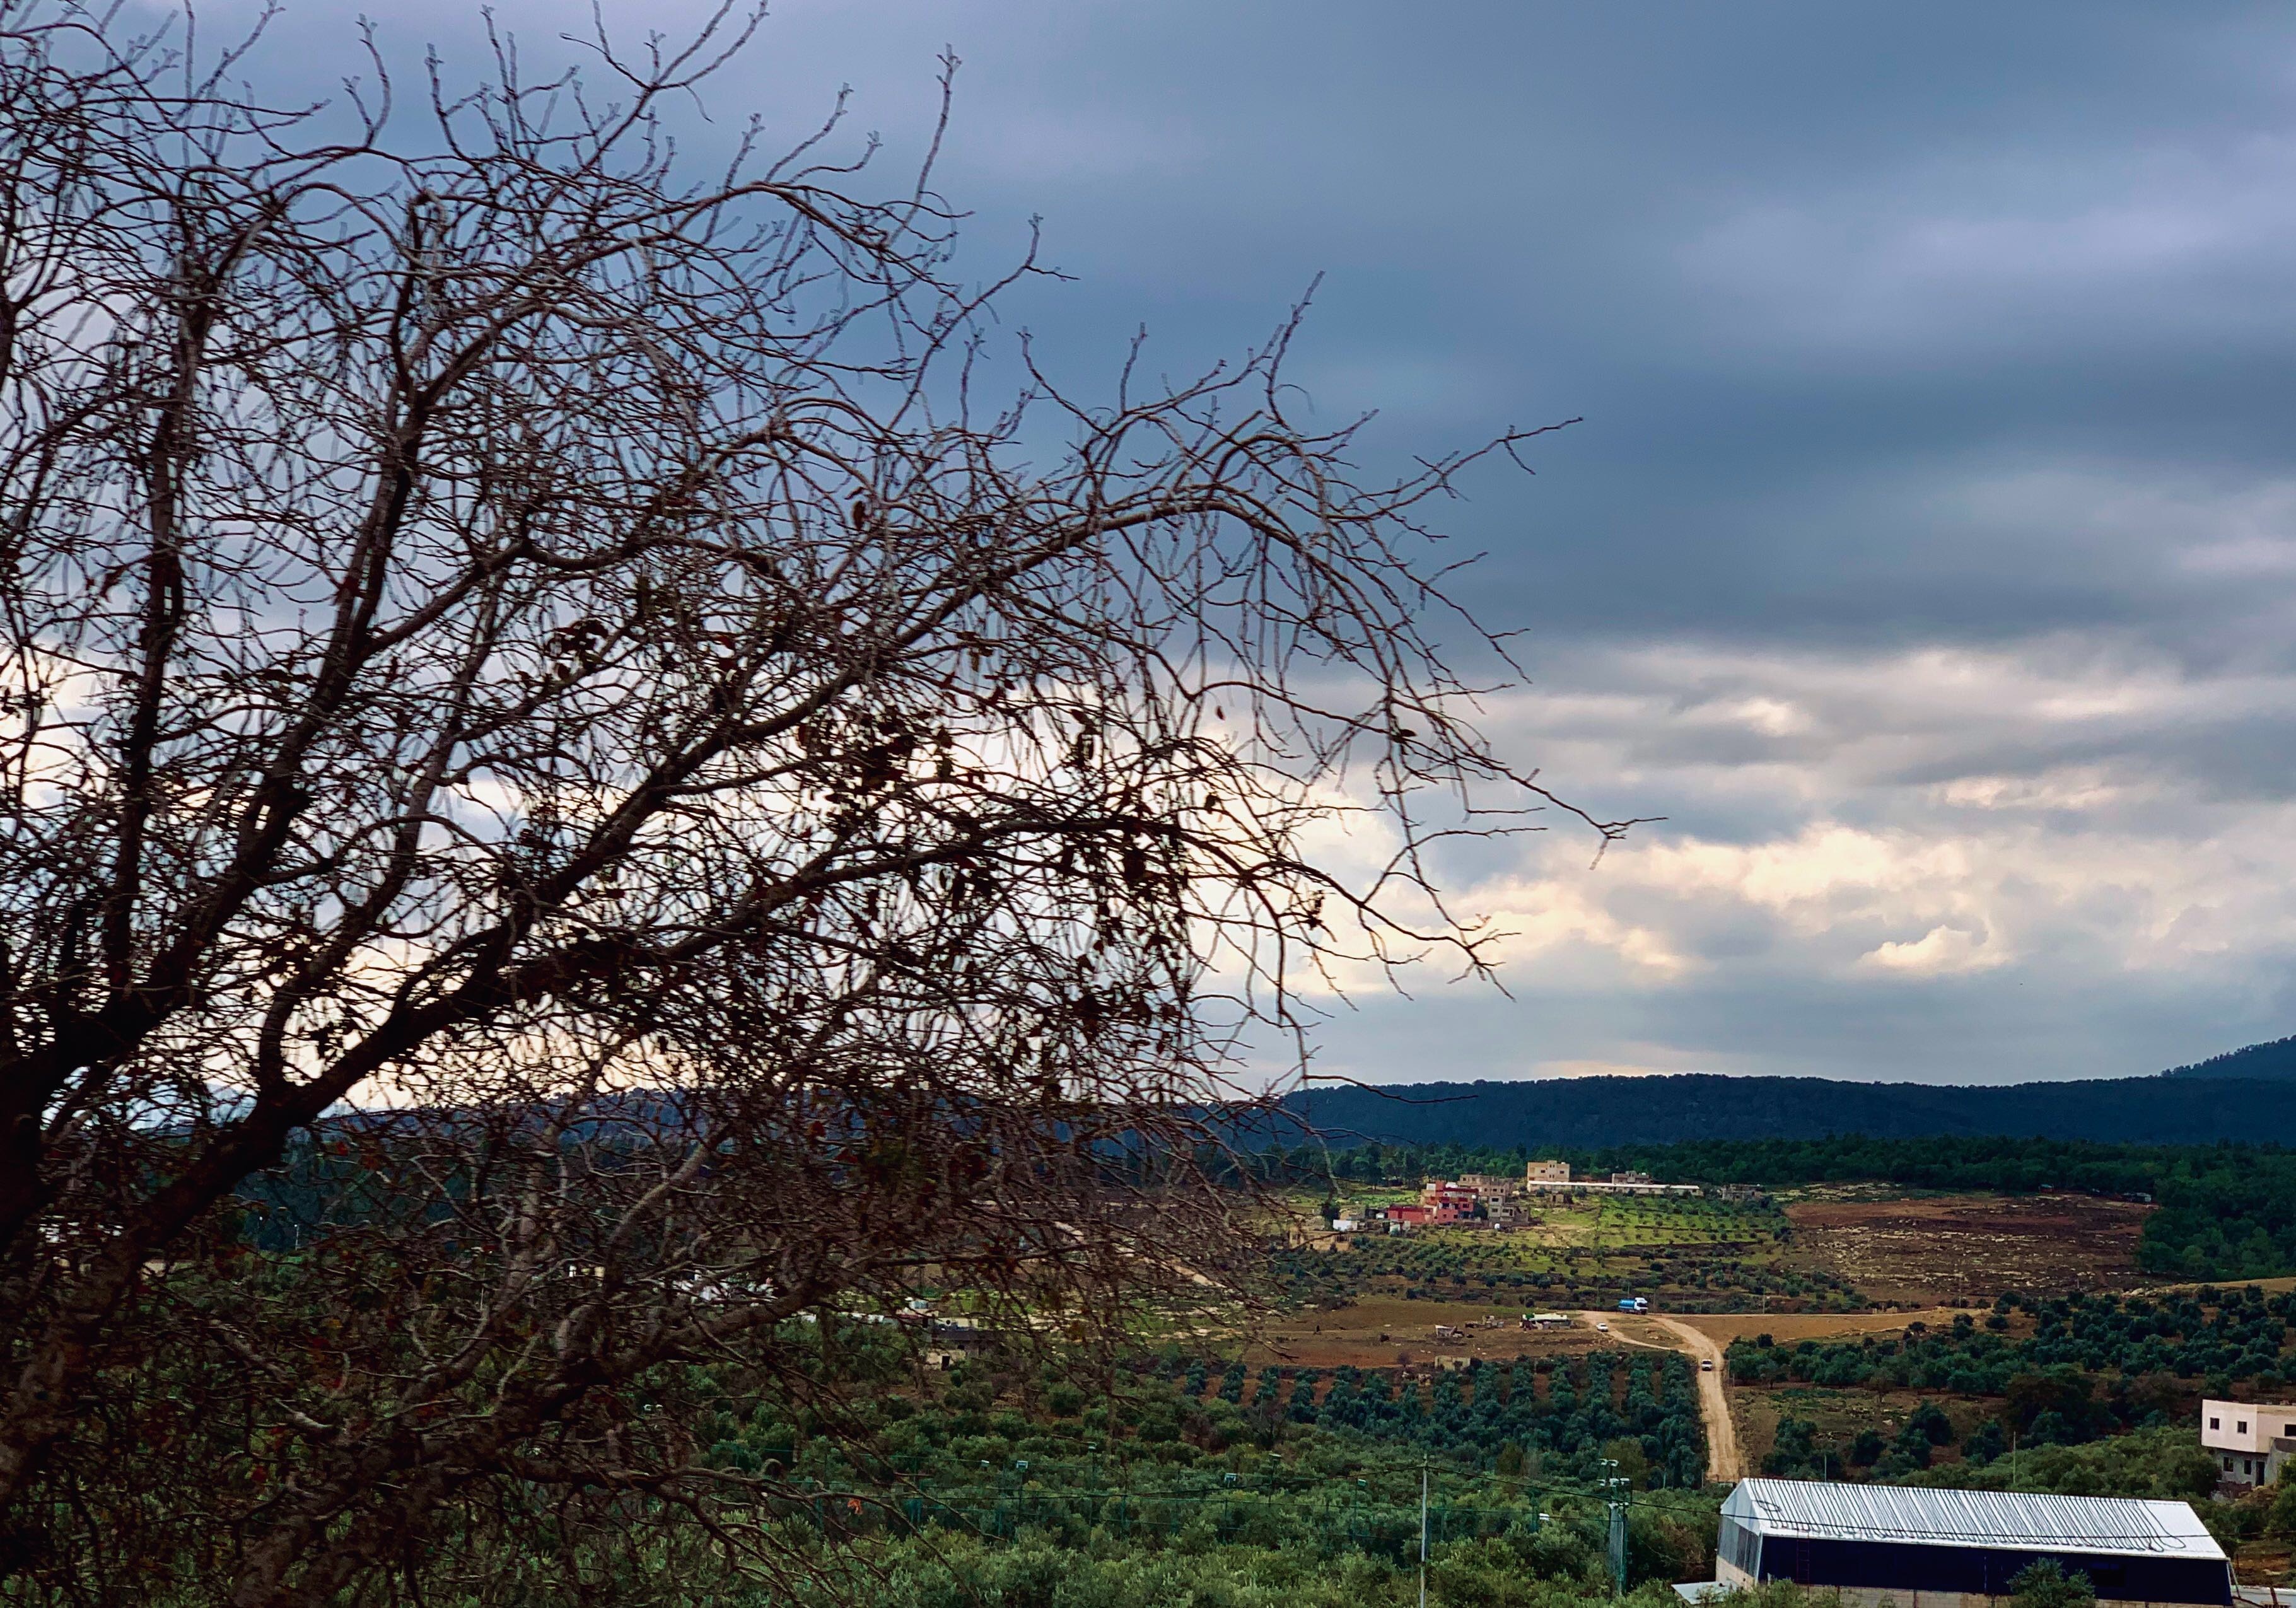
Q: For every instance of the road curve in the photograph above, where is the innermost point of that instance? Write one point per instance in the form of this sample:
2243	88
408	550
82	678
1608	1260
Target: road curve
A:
1724	1464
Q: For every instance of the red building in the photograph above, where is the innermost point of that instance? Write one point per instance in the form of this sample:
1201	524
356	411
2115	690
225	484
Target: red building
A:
1448	1203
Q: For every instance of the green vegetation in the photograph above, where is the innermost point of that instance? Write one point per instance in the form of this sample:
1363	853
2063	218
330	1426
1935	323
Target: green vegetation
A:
1691	1254
2221	1337
1641	1413
2163	1460
1177	1418
1201	1479
2045	1584
1509	1570
2201	1107
1798	1455
1194	1476
2225	1211
2095	1401
2275	1060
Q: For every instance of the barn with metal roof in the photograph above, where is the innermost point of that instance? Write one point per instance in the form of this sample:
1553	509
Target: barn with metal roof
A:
1925	1548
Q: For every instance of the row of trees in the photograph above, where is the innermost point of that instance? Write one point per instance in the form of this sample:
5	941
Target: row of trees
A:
1191	1456
1697	1275
1569	1412
2238	1335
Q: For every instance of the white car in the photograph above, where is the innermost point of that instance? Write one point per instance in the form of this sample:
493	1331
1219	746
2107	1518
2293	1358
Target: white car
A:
1706	1365
1601	1328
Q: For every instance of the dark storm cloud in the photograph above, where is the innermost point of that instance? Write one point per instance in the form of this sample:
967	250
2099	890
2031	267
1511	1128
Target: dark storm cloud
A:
1926	554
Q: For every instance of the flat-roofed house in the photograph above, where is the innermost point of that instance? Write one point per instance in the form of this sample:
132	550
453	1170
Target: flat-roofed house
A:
1921	1548
1447	1204
1499	1196
2251	1441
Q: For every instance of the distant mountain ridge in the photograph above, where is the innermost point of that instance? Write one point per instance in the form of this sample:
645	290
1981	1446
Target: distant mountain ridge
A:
2243	1096
2275	1060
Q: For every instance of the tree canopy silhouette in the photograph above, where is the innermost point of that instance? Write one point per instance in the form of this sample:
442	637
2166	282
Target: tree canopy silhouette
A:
581	802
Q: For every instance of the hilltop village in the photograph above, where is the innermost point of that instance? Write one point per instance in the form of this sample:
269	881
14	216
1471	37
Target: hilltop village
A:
1478	1199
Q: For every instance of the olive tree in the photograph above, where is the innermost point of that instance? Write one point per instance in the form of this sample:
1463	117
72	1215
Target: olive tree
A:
582	806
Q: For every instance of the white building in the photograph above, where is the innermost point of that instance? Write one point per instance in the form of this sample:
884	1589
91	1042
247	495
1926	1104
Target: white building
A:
2251	1439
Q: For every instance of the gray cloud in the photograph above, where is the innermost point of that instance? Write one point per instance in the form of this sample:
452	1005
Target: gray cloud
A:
1926	555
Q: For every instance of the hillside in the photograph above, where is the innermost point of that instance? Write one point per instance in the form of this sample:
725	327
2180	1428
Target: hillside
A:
1587	1112
2275	1060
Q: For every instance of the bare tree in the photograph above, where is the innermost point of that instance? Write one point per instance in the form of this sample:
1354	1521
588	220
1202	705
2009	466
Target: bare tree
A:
578	804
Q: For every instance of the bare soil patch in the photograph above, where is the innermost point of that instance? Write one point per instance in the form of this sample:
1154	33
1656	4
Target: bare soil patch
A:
1376	1333
1968	1248
2263	1562
1791	1328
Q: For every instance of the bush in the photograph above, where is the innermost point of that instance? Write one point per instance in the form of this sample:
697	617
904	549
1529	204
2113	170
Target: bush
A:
1795	1447
2156	1463
1986	1443
2046	1583
2282	1518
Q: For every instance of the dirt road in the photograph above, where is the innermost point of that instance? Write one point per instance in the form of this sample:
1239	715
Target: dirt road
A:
1723	1462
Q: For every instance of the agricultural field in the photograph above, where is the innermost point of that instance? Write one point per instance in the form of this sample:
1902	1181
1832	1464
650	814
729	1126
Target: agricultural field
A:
1859	1332
1966	1248
1867	1332
1957	1337
2082	1392
1836	1417
1690	1254
1386	1332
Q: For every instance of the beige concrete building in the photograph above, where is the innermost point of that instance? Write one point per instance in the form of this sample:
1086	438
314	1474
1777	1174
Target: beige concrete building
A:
1554	1177
2251	1441
1498	1195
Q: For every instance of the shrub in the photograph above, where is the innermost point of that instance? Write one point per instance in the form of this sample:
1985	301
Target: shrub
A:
2045	1584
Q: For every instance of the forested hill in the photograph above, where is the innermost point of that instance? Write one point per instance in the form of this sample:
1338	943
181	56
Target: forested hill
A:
1591	1112
2274	1059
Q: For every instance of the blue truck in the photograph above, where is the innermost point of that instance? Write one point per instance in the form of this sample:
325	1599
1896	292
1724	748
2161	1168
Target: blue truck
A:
1635	1303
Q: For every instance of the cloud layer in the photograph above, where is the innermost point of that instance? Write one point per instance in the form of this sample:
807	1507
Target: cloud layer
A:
1926	556
2032	859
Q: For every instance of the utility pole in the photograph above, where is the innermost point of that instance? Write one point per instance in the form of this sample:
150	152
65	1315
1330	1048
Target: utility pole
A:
1422	1533
1618	1536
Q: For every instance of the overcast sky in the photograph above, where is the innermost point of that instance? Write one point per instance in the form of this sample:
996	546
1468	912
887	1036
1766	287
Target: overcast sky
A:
1927	554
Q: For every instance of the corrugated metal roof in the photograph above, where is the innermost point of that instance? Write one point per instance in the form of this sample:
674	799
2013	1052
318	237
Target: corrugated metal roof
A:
2025	1520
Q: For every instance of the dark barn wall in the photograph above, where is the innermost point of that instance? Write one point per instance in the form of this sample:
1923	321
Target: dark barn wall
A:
1987	1571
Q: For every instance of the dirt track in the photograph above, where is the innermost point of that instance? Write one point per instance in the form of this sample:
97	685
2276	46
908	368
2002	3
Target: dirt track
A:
1723	1462
1789	1327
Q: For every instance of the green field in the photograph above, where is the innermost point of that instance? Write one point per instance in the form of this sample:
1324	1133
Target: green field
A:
1689	1253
